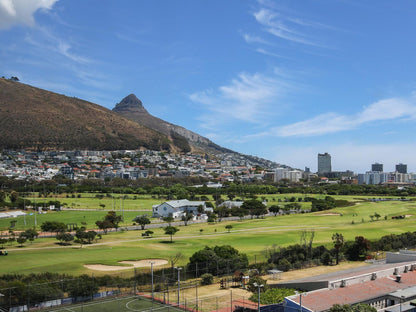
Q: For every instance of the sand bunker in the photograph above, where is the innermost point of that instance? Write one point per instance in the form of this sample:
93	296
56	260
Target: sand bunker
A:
131	264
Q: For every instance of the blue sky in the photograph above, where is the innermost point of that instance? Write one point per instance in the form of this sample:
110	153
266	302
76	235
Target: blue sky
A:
284	80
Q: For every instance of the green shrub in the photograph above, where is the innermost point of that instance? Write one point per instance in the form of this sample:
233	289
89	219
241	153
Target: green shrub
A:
207	279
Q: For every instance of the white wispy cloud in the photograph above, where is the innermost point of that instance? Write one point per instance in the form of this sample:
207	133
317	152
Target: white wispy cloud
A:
266	52
245	98
14	12
47	42
280	27
387	109
254	39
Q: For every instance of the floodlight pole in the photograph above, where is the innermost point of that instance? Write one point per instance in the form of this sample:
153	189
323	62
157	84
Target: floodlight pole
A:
179	282
258	296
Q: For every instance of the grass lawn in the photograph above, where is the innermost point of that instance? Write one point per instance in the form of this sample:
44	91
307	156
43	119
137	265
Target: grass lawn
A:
90	201
249	236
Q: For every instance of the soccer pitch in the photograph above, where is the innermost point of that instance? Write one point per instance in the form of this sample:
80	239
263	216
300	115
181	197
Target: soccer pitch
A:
124	304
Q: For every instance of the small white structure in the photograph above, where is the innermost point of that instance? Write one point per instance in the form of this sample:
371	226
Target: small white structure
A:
231	204
178	207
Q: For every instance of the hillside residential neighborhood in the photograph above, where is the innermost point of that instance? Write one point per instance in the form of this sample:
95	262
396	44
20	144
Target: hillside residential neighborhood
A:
139	164
129	164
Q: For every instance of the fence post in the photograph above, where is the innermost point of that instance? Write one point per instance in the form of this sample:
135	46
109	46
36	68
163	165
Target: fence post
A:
231	301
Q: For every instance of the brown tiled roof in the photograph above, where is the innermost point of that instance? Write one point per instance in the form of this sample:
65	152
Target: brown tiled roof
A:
321	300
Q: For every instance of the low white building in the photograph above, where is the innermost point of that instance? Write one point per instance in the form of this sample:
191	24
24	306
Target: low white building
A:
178	207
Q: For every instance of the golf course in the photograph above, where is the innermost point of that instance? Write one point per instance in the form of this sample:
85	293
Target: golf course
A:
250	236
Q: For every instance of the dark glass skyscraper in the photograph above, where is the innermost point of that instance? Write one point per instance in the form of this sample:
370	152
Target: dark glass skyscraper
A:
324	163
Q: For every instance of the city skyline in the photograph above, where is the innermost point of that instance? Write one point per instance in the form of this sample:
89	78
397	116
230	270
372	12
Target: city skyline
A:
283	81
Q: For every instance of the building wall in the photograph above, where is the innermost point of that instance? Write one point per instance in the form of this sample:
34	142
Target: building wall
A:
324	163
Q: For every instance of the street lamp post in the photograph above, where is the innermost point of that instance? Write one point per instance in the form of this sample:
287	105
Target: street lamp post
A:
258	289
179	282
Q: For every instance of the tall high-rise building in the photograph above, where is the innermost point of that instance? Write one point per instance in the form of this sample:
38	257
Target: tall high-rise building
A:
401	168
324	163
377	167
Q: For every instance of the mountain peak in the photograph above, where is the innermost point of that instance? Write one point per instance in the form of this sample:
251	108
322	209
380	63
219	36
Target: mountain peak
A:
131	104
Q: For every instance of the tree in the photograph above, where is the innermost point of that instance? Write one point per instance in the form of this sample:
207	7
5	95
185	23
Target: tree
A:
142	220
111	220
174	259
21	240
254	207
358	249
14	196
338	240
200	209
272	295
168	219
2	196
84	286
218	260
229	227
207	279
84	237
53	226
258	281
275	209
186	217
104	225
170	230
30	234
3	241
64	238
221	212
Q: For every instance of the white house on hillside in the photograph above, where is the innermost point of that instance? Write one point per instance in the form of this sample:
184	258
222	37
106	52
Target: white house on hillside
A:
178	207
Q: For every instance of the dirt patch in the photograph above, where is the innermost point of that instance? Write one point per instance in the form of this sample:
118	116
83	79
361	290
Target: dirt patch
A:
131	264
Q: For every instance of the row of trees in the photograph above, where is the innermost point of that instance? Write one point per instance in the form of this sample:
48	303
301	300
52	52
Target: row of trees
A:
182	187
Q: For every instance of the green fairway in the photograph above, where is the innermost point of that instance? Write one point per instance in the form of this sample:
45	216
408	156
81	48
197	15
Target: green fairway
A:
249	236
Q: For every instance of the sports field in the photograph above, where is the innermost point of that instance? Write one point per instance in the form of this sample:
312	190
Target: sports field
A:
123	304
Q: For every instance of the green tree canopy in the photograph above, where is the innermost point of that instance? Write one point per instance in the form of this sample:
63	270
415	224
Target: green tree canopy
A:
217	260
170	230
53	226
142	220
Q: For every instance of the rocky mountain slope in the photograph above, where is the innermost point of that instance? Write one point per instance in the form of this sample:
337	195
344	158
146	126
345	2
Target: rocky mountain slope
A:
132	108
32	118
